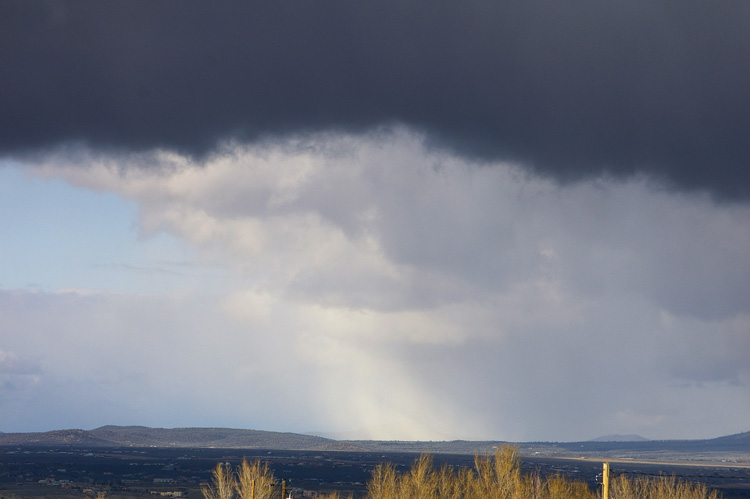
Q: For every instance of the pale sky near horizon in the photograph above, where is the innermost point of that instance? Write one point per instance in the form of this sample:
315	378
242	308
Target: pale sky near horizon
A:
436	234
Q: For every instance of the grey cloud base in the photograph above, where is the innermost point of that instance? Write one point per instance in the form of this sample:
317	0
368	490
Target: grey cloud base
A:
398	290
570	90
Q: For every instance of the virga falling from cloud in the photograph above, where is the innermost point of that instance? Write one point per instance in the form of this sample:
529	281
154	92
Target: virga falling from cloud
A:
372	284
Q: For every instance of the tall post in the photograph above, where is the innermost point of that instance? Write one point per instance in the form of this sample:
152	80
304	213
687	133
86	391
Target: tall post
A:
605	481
283	489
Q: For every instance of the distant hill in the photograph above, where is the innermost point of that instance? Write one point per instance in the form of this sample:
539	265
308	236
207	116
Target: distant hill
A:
76	438
730	448
141	436
738	439
620	438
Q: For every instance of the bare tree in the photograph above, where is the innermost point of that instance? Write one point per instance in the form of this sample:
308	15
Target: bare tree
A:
255	481
223	483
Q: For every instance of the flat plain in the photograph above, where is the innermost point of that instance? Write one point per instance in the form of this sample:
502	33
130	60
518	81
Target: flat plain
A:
61	472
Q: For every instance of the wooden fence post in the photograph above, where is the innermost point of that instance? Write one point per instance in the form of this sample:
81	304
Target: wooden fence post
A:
605	481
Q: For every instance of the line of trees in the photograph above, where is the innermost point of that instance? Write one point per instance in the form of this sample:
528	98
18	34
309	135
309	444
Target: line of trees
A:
493	477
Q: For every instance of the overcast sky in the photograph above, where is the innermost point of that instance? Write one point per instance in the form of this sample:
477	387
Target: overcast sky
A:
394	220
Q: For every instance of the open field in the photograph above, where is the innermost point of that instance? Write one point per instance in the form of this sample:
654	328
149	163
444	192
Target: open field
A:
139	473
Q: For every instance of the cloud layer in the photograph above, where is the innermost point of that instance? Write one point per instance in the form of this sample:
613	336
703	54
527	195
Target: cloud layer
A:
570	91
370	283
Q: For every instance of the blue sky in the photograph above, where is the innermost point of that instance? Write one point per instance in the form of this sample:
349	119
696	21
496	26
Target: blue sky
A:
60	236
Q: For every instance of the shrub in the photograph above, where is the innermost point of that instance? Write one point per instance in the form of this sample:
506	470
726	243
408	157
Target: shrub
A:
252	481
223	483
667	487
493	477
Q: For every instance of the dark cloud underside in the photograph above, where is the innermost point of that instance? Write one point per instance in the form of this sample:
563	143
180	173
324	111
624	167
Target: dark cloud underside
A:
569	88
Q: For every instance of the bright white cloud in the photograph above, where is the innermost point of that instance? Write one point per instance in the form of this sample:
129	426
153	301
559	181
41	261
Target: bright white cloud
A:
367	284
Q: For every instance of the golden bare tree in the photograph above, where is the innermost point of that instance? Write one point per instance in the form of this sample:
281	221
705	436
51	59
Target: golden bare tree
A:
255	480
223	483
421	483
383	484
498	476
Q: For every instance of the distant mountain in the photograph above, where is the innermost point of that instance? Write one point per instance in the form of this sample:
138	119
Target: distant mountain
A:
141	436
620	438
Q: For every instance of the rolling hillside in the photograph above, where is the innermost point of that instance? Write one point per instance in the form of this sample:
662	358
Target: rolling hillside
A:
141	436
731	448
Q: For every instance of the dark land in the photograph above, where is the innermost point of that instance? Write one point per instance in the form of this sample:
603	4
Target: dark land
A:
137	462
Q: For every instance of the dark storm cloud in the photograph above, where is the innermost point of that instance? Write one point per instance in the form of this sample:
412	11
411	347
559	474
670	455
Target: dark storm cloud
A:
570	89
